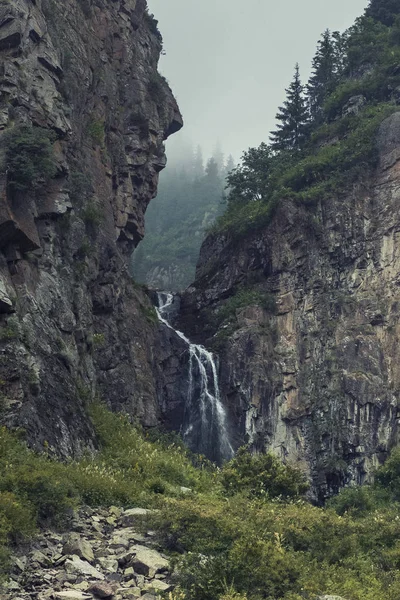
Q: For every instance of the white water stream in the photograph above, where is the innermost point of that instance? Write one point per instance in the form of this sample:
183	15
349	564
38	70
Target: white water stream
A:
205	428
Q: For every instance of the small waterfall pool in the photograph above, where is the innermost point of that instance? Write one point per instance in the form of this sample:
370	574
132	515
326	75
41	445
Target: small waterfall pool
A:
205	428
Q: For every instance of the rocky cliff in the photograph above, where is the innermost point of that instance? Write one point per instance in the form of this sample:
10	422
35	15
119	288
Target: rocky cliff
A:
316	377
79	82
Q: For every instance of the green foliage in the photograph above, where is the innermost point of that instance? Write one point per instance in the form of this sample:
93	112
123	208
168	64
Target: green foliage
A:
156	88
326	70
261	475
92	214
28	156
96	131
80	187
243	533
251	181
11	330
342	140
384	11
243	298
98	340
389	475
292	129
150	314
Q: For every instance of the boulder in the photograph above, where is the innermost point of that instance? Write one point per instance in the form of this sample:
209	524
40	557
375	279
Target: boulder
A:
71	595
76	566
101	590
133	515
78	546
148	562
109	564
157	586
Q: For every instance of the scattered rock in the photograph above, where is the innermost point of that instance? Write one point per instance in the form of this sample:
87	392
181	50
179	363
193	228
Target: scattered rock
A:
62	569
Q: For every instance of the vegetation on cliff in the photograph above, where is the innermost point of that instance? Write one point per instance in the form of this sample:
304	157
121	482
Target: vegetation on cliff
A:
244	531
326	136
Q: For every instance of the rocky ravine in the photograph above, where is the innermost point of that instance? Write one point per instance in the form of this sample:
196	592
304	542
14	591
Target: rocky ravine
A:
72	324
317	382
103	556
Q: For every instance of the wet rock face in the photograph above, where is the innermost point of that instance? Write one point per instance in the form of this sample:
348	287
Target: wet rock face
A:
316	380
72	324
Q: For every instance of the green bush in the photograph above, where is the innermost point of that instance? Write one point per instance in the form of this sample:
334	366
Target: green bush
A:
261	475
156	88
28	156
97	132
92	214
243	298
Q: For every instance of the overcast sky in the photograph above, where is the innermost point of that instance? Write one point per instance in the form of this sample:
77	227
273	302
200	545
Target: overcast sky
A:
229	61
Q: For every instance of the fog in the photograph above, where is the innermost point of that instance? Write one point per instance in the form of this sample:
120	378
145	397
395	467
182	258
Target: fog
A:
229	61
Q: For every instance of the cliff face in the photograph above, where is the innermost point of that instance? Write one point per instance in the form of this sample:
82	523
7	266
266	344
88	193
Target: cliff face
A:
316	380
72	323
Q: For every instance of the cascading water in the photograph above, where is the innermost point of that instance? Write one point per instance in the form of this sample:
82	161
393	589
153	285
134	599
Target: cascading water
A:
205	425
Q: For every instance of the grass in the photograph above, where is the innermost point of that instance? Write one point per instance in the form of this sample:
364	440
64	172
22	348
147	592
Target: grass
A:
243	532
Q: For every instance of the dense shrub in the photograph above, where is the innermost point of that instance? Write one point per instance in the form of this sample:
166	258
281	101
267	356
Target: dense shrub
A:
261	475
28	156
246	297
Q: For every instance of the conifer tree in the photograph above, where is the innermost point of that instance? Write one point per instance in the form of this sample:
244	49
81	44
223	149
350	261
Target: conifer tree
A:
384	11
291	132
229	166
325	73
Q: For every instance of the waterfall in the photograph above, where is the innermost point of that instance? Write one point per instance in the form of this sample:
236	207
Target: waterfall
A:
205	427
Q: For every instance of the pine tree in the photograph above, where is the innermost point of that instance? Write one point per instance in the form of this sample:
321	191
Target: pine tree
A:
325	72
384	11
229	166
291	132
198	164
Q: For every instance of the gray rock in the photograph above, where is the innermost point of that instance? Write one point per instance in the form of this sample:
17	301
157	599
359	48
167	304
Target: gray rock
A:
76	566
71	595
158	586
133	515
148	562
102	590
78	546
108	564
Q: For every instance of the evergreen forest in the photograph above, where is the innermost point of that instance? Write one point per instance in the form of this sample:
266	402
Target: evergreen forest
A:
190	198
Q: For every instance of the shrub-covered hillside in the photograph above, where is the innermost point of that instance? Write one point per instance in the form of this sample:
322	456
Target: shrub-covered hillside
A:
325	137
241	532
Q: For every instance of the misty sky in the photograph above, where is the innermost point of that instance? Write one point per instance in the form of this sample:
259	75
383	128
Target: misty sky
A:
229	61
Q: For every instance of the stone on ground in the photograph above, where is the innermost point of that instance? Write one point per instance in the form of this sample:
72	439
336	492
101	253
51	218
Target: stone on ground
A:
148	562
78	546
76	566
102	589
